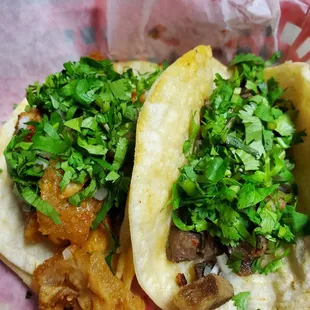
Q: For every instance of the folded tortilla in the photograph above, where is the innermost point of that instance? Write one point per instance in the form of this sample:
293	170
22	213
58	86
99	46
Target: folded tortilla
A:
18	255
161	131
162	128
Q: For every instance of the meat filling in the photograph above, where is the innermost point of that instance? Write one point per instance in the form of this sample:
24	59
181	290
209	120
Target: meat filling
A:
248	253
203	249
182	245
204	294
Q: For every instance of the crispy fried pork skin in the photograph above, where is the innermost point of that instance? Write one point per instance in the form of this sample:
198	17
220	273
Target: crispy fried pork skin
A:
80	278
75	221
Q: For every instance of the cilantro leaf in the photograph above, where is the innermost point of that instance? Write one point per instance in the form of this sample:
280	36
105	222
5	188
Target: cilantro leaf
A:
74	123
272	266
120	153
298	222
106	206
50	145
112	176
216	168
241	300
284	125
120	89
249	161
250	195
193	131
90	148
178	222
85	90
276	56
253	125
242	58
42	206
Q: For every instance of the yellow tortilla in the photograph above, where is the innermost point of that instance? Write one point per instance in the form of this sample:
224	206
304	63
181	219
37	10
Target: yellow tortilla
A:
162	127
23	258
161	132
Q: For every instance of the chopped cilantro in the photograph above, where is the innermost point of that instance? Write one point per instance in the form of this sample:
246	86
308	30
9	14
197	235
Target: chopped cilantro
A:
237	183
87	129
241	300
44	207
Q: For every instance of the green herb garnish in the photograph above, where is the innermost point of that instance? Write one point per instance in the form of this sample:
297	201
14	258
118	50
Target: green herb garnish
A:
87	129
241	300
238	183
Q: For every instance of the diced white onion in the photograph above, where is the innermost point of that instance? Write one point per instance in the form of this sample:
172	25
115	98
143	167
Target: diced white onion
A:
45	154
66	253
198	143
215	269
207	270
101	193
42	163
222	263
22	122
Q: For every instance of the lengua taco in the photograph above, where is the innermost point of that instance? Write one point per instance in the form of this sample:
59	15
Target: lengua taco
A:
66	162
213	210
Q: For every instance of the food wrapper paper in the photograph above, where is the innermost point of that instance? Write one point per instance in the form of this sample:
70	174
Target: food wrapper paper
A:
38	36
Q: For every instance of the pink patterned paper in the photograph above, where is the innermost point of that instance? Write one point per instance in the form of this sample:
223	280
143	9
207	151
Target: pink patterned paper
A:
38	36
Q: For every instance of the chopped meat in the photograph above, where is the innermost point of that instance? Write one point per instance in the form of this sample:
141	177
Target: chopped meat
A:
33	115
57	297
248	253
245	267
31	231
210	248
261	247
82	280
182	245
181	280
75	221
204	294
282	204
200	268
246	93
111	289
285	188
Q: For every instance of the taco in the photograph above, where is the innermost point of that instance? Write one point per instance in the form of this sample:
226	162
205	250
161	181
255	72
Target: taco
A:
66	162
214	217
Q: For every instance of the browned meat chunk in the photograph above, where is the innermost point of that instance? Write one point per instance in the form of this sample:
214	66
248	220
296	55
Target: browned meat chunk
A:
210	248
181	280
182	245
204	294
199	269
248	253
